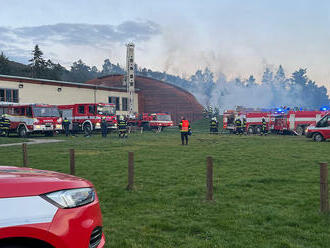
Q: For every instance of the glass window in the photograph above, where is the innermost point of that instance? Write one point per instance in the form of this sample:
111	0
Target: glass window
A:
29	111
81	109
8	95
124	104
117	103
15	95
92	109
2	95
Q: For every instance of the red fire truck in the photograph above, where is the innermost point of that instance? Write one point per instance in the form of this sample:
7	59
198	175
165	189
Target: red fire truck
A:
320	131
87	117
32	118
253	119
151	121
296	121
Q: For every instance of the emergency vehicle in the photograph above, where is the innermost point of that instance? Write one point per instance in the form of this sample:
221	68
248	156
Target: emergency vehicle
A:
253	120
296	121
45	209
151	121
87	117
320	131
32	118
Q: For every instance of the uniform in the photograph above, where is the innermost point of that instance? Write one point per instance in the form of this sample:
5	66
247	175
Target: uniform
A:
244	126
66	125
4	125
122	127
264	127
213	126
184	130
238	124
104	128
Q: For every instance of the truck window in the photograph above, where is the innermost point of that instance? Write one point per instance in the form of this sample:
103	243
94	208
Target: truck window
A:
29	112
92	109
324	122
81	109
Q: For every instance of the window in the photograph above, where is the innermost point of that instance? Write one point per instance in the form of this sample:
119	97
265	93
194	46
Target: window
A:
8	95
81	109
124	104
29	111
115	100
92	109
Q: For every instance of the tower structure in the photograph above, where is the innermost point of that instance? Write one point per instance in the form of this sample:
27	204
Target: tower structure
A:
130	77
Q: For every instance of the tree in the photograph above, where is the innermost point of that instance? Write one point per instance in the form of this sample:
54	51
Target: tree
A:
299	77
280	75
38	64
250	82
4	64
267	77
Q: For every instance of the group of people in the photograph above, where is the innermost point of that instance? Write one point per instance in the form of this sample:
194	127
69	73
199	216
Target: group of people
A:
240	127
122	127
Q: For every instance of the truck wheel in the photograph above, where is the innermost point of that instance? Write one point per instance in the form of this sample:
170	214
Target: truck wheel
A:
318	137
87	129
300	130
146	126
49	134
22	132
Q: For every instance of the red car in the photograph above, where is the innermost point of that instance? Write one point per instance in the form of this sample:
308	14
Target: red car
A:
321	131
48	209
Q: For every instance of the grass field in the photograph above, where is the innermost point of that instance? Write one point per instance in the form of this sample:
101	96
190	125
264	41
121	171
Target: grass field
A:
266	189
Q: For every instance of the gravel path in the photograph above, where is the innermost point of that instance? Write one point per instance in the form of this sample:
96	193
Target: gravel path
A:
33	142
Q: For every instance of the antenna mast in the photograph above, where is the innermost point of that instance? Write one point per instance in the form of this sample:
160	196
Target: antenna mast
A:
130	77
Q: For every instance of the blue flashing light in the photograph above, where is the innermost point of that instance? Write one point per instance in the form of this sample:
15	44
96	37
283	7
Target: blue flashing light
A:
324	109
279	110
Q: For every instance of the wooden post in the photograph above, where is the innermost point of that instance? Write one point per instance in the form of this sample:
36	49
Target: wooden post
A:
72	162
324	200
130	171
209	179
25	155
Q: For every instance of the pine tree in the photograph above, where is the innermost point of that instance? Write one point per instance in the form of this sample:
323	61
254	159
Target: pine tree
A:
38	64
4	64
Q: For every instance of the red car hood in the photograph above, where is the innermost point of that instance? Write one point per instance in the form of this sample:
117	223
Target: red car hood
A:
17	181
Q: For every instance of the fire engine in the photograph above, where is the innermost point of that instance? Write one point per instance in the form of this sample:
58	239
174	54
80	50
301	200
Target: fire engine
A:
32	118
320	131
295	121
87	117
253	119
151	121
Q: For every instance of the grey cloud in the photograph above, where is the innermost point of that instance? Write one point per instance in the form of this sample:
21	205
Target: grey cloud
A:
84	34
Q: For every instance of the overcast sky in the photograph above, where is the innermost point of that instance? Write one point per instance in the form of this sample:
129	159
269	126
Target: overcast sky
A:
237	38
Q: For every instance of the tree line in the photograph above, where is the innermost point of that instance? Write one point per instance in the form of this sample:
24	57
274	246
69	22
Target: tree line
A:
275	89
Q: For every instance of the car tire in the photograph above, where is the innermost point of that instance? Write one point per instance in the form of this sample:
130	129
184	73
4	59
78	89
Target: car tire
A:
22	132
318	137
87	129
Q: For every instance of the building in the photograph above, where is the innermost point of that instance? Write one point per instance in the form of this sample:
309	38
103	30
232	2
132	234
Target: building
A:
158	96
30	90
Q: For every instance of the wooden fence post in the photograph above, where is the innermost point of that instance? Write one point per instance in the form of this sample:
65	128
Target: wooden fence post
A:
25	155
324	200
72	162
209	179
130	185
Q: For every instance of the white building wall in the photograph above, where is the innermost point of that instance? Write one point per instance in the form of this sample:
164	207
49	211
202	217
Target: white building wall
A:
53	94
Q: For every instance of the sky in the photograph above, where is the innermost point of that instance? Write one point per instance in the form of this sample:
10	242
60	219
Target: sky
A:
236	38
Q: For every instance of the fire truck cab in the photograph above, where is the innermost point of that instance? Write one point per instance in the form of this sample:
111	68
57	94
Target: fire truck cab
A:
32	118
87	117
321	131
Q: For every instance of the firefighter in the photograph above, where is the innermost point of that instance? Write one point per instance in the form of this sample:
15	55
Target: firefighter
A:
104	127
238	125
264	130
244	126
214	125
184	130
122	127
66	125
4	125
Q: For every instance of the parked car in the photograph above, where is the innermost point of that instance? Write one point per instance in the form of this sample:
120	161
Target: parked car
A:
47	209
321	131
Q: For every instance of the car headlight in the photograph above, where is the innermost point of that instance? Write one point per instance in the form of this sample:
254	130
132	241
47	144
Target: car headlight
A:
70	198
98	124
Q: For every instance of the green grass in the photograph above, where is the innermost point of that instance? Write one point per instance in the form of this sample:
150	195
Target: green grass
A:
266	189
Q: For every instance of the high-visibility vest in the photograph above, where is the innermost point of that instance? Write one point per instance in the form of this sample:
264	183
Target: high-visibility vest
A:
185	126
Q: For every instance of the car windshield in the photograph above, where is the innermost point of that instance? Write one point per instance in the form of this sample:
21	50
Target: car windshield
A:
45	112
163	118
106	110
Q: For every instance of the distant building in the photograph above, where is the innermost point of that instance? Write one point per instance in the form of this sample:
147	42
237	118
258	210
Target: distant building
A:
31	90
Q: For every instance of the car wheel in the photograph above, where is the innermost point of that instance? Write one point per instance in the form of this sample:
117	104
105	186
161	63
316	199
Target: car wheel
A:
318	137
87	129
300	130
22	132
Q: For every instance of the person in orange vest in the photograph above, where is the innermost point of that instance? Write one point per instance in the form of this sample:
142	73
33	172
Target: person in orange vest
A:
184	130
